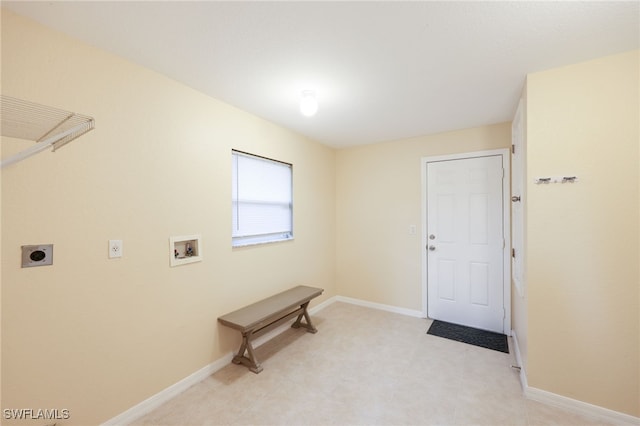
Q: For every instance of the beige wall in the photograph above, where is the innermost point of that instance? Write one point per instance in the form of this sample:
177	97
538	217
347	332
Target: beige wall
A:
583	246
378	198
97	335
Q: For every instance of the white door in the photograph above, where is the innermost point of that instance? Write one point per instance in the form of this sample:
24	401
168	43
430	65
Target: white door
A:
465	242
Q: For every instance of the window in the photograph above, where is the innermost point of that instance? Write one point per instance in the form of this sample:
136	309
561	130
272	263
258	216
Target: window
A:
262	200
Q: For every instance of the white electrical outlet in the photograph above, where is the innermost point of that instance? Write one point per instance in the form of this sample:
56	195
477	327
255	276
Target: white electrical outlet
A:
115	248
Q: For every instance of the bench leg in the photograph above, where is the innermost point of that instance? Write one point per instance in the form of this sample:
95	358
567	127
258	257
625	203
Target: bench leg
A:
309	325
251	361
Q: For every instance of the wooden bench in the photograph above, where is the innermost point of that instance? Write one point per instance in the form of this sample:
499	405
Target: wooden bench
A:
261	317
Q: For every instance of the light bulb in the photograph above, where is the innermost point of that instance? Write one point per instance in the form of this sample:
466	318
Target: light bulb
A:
308	103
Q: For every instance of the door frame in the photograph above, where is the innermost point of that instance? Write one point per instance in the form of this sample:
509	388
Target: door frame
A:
506	225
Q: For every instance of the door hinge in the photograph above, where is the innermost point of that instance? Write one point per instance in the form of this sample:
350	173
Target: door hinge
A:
513	253
513	149
504	313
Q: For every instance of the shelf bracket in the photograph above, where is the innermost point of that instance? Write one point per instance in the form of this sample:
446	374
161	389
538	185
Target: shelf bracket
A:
47	126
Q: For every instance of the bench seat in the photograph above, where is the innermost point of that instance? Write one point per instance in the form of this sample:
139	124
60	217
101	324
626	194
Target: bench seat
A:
261	317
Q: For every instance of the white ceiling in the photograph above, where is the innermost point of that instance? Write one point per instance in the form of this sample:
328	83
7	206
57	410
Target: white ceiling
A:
381	70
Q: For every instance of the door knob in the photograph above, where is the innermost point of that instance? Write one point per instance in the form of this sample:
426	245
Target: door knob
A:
515	198
432	248
432	237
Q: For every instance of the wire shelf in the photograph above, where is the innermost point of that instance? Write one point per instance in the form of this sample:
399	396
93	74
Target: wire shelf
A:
45	125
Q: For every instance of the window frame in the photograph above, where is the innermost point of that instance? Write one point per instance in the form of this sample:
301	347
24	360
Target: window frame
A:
263	237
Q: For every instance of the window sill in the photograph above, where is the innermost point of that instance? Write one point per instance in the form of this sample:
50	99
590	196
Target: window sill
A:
260	243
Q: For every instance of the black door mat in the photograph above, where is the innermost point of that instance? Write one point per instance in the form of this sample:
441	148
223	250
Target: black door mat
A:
472	336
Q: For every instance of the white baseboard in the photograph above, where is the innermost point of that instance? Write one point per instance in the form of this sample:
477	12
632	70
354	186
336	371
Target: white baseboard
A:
321	306
165	395
578	407
534	394
583	408
380	306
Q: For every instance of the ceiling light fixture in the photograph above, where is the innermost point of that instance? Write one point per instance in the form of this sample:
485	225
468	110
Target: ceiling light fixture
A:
308	103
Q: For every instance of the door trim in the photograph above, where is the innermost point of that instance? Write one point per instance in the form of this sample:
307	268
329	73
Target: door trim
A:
506	225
